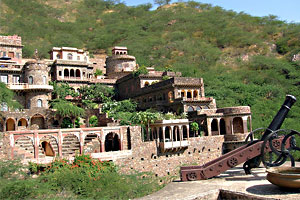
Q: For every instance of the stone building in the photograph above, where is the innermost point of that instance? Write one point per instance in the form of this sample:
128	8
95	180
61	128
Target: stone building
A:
32	132
120	63
71	65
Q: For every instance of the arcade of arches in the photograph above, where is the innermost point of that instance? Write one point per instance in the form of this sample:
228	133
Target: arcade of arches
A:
41	144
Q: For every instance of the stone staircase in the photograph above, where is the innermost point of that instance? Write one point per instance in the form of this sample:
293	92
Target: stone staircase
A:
24	148
70	145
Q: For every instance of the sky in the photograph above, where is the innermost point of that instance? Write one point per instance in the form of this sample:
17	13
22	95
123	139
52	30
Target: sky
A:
285	10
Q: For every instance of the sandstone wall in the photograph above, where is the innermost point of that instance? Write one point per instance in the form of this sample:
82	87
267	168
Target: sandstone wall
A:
146	156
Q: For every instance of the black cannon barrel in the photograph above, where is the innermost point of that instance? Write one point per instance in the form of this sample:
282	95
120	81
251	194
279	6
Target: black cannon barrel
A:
280	116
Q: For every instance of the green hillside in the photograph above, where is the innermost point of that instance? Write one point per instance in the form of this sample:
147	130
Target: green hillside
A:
244	60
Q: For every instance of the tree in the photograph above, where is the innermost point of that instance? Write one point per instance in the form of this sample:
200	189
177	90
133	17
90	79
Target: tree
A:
61	90
95	93
67	109
194	127
162	2
7	96
145	118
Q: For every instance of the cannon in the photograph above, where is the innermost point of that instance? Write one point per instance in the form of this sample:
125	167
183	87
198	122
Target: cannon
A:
273	149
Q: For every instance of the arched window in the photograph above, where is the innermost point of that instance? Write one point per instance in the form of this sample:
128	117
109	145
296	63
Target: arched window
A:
195	93
189	94
72	73
70	56
77	73
66	73
198	108
30	80
39	103
44	80
146	83
57	56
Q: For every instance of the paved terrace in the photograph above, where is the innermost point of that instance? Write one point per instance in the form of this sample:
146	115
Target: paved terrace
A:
234	181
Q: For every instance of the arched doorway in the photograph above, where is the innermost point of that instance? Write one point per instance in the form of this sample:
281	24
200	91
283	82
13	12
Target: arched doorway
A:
168	134
48	145
214	127
184	132
112	142
222	127
38	120
22	123
10	125
238	125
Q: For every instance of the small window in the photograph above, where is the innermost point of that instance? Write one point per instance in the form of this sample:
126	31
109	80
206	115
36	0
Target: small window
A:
39	103
4	53
70	56
18	55
44	80
59	73
30	80
4	79
78	57
57	56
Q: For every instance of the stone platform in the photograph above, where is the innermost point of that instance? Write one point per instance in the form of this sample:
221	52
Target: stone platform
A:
233	184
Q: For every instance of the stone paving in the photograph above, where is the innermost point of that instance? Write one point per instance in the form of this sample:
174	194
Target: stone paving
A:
254	186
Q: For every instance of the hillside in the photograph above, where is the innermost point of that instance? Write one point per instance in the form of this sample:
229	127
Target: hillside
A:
244	60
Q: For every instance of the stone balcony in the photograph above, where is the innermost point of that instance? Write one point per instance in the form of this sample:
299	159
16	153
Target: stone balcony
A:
26	86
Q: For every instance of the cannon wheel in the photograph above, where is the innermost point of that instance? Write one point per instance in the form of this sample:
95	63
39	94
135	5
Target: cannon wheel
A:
274	153
250	136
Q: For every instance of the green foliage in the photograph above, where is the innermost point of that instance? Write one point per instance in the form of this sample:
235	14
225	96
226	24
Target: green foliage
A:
92	94
93	121
84	178
67	109
141	70
7	96
98	72
61	90
194	127
67	123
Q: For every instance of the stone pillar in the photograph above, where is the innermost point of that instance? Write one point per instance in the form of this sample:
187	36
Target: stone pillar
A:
188	131
12	145
218	120
245	127
208	125
180	132
164	136
36	145
231	126
81	141
60	141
